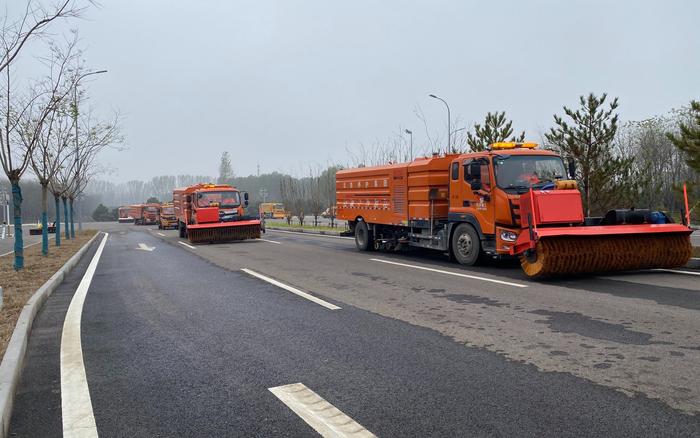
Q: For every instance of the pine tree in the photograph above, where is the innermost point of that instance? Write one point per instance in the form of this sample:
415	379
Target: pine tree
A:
605	179
225	169
689	139
496	128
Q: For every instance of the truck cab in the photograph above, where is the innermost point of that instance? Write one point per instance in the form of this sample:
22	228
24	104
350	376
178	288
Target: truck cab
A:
485	190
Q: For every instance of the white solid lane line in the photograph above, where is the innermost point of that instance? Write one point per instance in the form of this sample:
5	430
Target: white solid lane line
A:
270	241
325	418
291	289
677	271
76	406
161	234
186	244
310	234
456	274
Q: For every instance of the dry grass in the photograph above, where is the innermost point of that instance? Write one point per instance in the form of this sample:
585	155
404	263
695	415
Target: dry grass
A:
18	287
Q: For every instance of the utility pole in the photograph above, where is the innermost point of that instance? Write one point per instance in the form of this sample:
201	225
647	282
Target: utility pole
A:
449	128
258	169
409	132
77	147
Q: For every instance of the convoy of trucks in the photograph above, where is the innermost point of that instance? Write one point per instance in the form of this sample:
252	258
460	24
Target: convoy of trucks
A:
510	200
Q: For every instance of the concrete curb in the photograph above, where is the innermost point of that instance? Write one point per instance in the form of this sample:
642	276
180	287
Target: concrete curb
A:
12	363
301	230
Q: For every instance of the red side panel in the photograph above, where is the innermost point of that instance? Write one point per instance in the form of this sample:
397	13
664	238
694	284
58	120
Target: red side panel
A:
223	224
552	207
207	215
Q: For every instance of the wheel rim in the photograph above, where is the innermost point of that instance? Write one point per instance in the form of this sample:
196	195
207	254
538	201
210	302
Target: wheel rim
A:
464	245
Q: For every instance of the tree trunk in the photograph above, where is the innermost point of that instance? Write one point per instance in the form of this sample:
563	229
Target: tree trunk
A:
65	217
19	242
44	220
72	221
58	221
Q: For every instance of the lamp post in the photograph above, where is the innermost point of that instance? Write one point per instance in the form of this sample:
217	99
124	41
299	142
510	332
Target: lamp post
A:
409	132
449	118
77	147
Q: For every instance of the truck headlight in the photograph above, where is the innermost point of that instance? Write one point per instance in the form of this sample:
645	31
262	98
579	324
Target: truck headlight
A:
508	236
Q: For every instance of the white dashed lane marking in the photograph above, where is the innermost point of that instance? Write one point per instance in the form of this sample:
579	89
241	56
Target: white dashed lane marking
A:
291	289
456	274
325	418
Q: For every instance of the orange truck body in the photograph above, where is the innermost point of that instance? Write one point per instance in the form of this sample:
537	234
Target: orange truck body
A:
136	212
125	215
492	203
213	213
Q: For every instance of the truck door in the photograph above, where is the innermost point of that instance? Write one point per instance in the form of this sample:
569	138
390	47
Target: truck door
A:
477	192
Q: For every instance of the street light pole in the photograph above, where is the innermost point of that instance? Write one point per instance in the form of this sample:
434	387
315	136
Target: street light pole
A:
449	118
77	147
409	132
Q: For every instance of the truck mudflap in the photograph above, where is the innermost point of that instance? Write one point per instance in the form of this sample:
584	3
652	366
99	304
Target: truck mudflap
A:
224	231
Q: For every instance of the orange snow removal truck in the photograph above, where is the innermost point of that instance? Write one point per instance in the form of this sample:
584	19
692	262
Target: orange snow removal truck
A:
510	200
213	213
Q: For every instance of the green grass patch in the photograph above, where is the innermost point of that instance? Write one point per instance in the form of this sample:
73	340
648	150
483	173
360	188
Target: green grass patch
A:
306	226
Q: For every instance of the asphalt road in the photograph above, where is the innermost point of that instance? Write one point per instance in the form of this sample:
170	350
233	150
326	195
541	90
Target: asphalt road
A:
179	341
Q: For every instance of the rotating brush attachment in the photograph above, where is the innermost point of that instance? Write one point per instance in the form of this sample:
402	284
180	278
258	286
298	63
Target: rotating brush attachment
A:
571	255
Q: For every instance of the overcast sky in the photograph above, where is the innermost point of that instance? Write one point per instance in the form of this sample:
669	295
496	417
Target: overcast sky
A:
289	83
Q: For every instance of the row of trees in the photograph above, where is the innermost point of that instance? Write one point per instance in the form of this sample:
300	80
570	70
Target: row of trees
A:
310	195
41	127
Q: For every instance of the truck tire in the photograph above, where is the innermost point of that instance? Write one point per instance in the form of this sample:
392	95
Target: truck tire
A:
181	228
363	237
466	246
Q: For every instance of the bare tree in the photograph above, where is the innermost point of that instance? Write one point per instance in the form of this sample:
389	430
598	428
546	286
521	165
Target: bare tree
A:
32	24
315	193
22	118
93	137
53	138
327	182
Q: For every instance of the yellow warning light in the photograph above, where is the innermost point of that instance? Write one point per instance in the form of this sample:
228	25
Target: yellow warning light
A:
512	145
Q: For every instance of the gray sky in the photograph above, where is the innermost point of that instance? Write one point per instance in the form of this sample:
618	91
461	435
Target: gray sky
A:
289	83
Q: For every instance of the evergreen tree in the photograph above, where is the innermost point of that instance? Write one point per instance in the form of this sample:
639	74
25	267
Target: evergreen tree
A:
152	200
605	179
688	140
225	169
496	128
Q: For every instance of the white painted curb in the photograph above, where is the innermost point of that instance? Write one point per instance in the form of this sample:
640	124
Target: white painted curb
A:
12	363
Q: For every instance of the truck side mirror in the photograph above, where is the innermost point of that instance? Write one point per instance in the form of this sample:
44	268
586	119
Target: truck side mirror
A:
188	199
245	198
476	184
572	168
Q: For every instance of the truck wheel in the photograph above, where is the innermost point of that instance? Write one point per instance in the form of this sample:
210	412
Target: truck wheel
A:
363	237
466	246
181	228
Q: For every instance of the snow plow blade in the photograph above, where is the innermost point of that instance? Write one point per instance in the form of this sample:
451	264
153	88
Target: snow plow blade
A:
224	232
609	249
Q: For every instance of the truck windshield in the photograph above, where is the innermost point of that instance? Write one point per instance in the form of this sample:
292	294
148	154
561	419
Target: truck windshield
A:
224	199
168	210
518	172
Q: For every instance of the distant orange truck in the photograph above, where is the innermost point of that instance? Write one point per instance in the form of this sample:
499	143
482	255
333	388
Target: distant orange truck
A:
214	213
